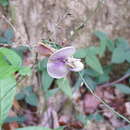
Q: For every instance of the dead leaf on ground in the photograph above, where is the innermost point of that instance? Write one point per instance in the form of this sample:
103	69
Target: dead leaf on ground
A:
90	103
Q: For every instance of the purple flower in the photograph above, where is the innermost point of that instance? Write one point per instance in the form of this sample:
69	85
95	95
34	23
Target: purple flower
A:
62	61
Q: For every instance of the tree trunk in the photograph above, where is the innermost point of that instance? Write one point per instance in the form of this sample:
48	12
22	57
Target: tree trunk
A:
56	20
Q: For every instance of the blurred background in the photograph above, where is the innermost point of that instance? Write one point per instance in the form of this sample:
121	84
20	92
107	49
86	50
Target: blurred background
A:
56	20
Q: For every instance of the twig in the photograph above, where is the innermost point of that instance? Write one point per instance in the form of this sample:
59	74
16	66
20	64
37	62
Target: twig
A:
102	101
11	25
114	82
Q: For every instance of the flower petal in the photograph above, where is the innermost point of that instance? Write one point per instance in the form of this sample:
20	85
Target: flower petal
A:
63	53
44	51
56	69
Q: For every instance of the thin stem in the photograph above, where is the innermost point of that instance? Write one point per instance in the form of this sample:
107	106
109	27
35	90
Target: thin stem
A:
11	25
114	82
102	101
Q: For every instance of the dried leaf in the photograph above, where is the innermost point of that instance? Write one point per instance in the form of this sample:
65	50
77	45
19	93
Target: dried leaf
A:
90	103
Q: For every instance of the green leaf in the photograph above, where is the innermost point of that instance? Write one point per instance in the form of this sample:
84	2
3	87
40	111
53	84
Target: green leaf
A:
3	40
32	99
118	56
51	92
124	128
94	63
127	56
90	72
9	34
4	2
122	43
22	50
34	128
101	35
5	69
90	82
64	85
28	89
20	96
102	78
46	80
25	71
92	50
7	93
123	88
42	65
80	53
83	52
110	44
96	117
103	42
11	56
19	119
122	52
102	47
82	118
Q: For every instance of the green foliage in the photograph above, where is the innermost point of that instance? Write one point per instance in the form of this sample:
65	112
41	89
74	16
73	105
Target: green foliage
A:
51	92
91	53
83	52
19	119
64	85
122	51
124	128
103	41
96	117
7	90
4	2
46	80
32	99
92	117
118	56
94	63
25	71
42	65
123	88
96	72
6	69
90	56
11	56
28	95
21	50
82	118
8	36
10	63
